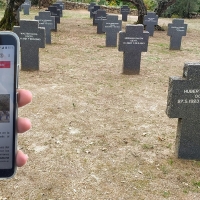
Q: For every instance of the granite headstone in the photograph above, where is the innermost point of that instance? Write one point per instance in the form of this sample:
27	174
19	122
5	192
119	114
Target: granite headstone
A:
99	18
90	7
59	7
176	31
48	22
26	7
124	10
111	27
32	37
133	42
184	103
150	20
94	12
56	13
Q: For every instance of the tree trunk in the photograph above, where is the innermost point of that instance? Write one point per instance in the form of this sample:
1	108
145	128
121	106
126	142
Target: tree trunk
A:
142	10
10	15
163	5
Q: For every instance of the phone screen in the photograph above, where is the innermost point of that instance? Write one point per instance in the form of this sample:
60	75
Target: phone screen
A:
8	105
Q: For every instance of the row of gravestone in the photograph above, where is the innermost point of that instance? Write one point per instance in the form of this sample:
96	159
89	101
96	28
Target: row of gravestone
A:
34	34
134	40
183	93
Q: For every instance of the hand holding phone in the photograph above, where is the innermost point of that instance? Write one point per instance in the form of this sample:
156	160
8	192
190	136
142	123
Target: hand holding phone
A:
9	125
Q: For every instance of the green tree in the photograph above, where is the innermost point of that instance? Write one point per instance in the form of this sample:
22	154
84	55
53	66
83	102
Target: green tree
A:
10	15
162	5
184	8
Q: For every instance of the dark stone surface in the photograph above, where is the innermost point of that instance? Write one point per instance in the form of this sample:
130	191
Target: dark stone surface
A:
94	12
48	22
32	37
184	103
26	7
99	18
124	10
56	13
111	27
90	7
61	4
150	20
132	43
59	7
176	30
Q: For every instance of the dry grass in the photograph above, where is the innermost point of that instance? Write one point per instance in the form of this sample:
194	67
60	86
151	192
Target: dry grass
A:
98	134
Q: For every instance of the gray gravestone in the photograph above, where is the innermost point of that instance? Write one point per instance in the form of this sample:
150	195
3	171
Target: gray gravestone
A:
32	37
59	7
94	12
99	18
111	27
176	31
124	10
56	13
184	103
90	7
26	7
150	20
48	22
132	43
62	4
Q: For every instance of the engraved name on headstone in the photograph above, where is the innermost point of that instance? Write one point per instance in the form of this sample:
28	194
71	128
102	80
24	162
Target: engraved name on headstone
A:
184	103
94	12
48	22
150	20
56	13
176	31
99	18
124	10
59	7
133	42
32	37
111	27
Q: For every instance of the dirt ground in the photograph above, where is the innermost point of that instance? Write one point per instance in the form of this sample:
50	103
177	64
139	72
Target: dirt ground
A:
98	134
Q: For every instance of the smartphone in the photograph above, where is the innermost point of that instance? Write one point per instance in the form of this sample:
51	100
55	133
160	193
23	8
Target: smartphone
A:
9	66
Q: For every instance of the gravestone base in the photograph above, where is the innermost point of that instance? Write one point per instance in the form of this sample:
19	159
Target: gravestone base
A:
111	40
131	63
188	139
27	63
175	44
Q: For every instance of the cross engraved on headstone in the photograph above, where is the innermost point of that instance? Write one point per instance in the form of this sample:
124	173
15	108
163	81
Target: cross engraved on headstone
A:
99	18
32	37
184	103
90	7
124	10
133	42
150	20
111	27
26	7
94	12
56	13
48	22
176	30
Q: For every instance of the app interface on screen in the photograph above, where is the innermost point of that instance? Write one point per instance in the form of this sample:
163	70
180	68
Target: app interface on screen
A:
6	104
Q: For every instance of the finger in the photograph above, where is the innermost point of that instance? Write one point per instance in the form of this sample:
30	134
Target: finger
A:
24	97
21	158
23	124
